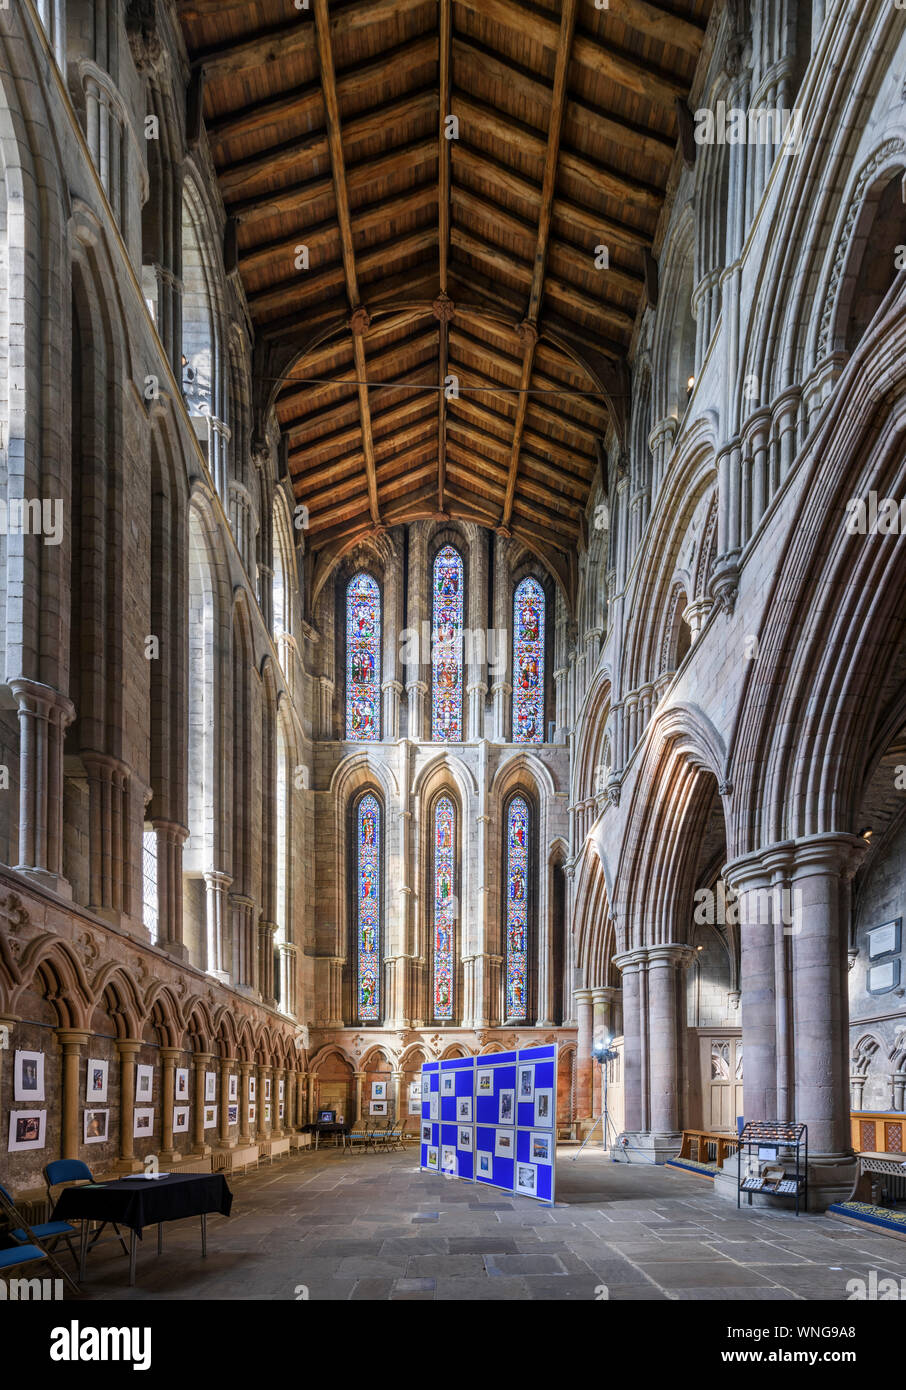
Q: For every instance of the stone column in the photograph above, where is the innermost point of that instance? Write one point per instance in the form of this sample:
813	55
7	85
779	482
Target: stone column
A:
71	1041
302	1115
245	1070
127	1048
7	1025
44	716
631	965
359	1082
223	1129
667	1038
266	933
168	1059
217	885
279	1075
201	1062
310	1099
263	1131
584	1063
170	839
602	1032
245	945
395	1096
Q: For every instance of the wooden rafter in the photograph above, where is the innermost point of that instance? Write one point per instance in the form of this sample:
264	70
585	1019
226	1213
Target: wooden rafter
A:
443	235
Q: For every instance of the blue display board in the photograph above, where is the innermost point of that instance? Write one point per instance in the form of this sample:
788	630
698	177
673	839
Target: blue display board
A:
492	1119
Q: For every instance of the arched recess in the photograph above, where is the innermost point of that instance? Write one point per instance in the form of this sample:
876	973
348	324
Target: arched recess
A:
285	587
334	1087
445	775
245	889
285	951
204	358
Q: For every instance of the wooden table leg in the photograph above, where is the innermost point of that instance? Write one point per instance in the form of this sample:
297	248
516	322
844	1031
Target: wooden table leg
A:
204	1236
83	1250
160	1237
133	1243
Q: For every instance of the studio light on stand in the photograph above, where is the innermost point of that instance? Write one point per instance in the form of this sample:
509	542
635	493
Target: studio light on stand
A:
602	1052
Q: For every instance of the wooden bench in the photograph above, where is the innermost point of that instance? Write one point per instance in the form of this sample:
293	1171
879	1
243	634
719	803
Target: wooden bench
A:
275	1148
703	1153
299	1141
860	1208
235	1160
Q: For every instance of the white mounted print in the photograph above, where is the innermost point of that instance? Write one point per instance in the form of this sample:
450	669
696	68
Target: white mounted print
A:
143	1122
181	1088
95	1126
27	1129
96	1081
28	1074
144	1082
210	1085
210	1117
180	1119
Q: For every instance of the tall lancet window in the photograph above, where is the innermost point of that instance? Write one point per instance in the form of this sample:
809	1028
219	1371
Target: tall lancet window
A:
368	925
528	662
517	894
363	658
444	906
446	722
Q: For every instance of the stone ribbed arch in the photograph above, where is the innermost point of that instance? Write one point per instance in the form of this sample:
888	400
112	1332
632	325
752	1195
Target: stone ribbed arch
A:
50	967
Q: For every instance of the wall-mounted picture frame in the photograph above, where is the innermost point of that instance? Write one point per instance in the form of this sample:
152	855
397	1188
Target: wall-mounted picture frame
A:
484	1164
506	1107
267	1088
251	1087
378	1107
232	1114
233	1091
281	1109
267	1114
464	1109
210	1086
27	1130
464	1137
525	1081
143	1122
541	1147
379	1090
210	1117
144	1083
504	1143
544	1108
415	1099
253	1111
526	1179
180	1119
95	1125
181	1083
96	1072
28	1076
484	1082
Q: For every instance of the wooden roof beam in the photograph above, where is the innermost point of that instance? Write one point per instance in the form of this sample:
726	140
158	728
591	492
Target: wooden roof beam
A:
444	307
374	258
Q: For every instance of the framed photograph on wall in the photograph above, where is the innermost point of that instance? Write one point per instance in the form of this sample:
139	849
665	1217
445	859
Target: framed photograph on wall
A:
281	1109
464	1109
143	1122
210	1117
181	1085
28	1076
180	1119
484	1082
267	1088
267	1114
504	1143
144	1082
415	1099
234	1086
281	1090
525	1082
252	1087
95	1123
379	1090
210	1085
253	1110
232	1114
96	1081
541	1148
507	1108
544	1108
484	1165
378	1107
27	1129
527	1179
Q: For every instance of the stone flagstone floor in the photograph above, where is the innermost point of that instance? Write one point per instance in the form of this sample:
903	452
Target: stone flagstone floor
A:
373	1227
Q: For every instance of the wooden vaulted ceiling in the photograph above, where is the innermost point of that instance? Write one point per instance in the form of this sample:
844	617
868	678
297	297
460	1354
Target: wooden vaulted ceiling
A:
431	257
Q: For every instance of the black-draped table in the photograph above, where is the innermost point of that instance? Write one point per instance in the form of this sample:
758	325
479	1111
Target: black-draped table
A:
139	1201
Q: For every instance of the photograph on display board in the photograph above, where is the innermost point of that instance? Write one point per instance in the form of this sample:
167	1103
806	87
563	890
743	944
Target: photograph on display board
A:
27	1129
448	1159
210	1085
210	1116
144	1082
465	1137
96	1081
464	1109
181	1091
525	1085
507	1108
485	1082
541	1148
180	1119
233	1093
485	1165
526	1180
504	1143
426	1086
379	1107
379	1090
432	1106
544	1108
426	1132
432	1159
95	1126
143	1122
28	1074
448	1083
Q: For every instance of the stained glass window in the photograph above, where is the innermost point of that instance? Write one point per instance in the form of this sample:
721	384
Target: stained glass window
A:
368	885
517	879
528	662
363	658
444	906
446	723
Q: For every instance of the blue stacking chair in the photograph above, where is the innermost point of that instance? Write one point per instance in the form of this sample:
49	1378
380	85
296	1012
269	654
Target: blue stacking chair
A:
66	1170
28	1249
49	1233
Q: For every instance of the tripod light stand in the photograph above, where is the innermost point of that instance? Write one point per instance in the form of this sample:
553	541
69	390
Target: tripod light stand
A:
603	1053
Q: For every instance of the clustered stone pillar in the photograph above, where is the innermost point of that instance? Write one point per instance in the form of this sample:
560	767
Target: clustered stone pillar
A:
279	1080
654	1047
44	716
359	1084
127	1049
245	1071
168	1059
201	1063
584	1063
71	1041
259	1112
170	839
223	1126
